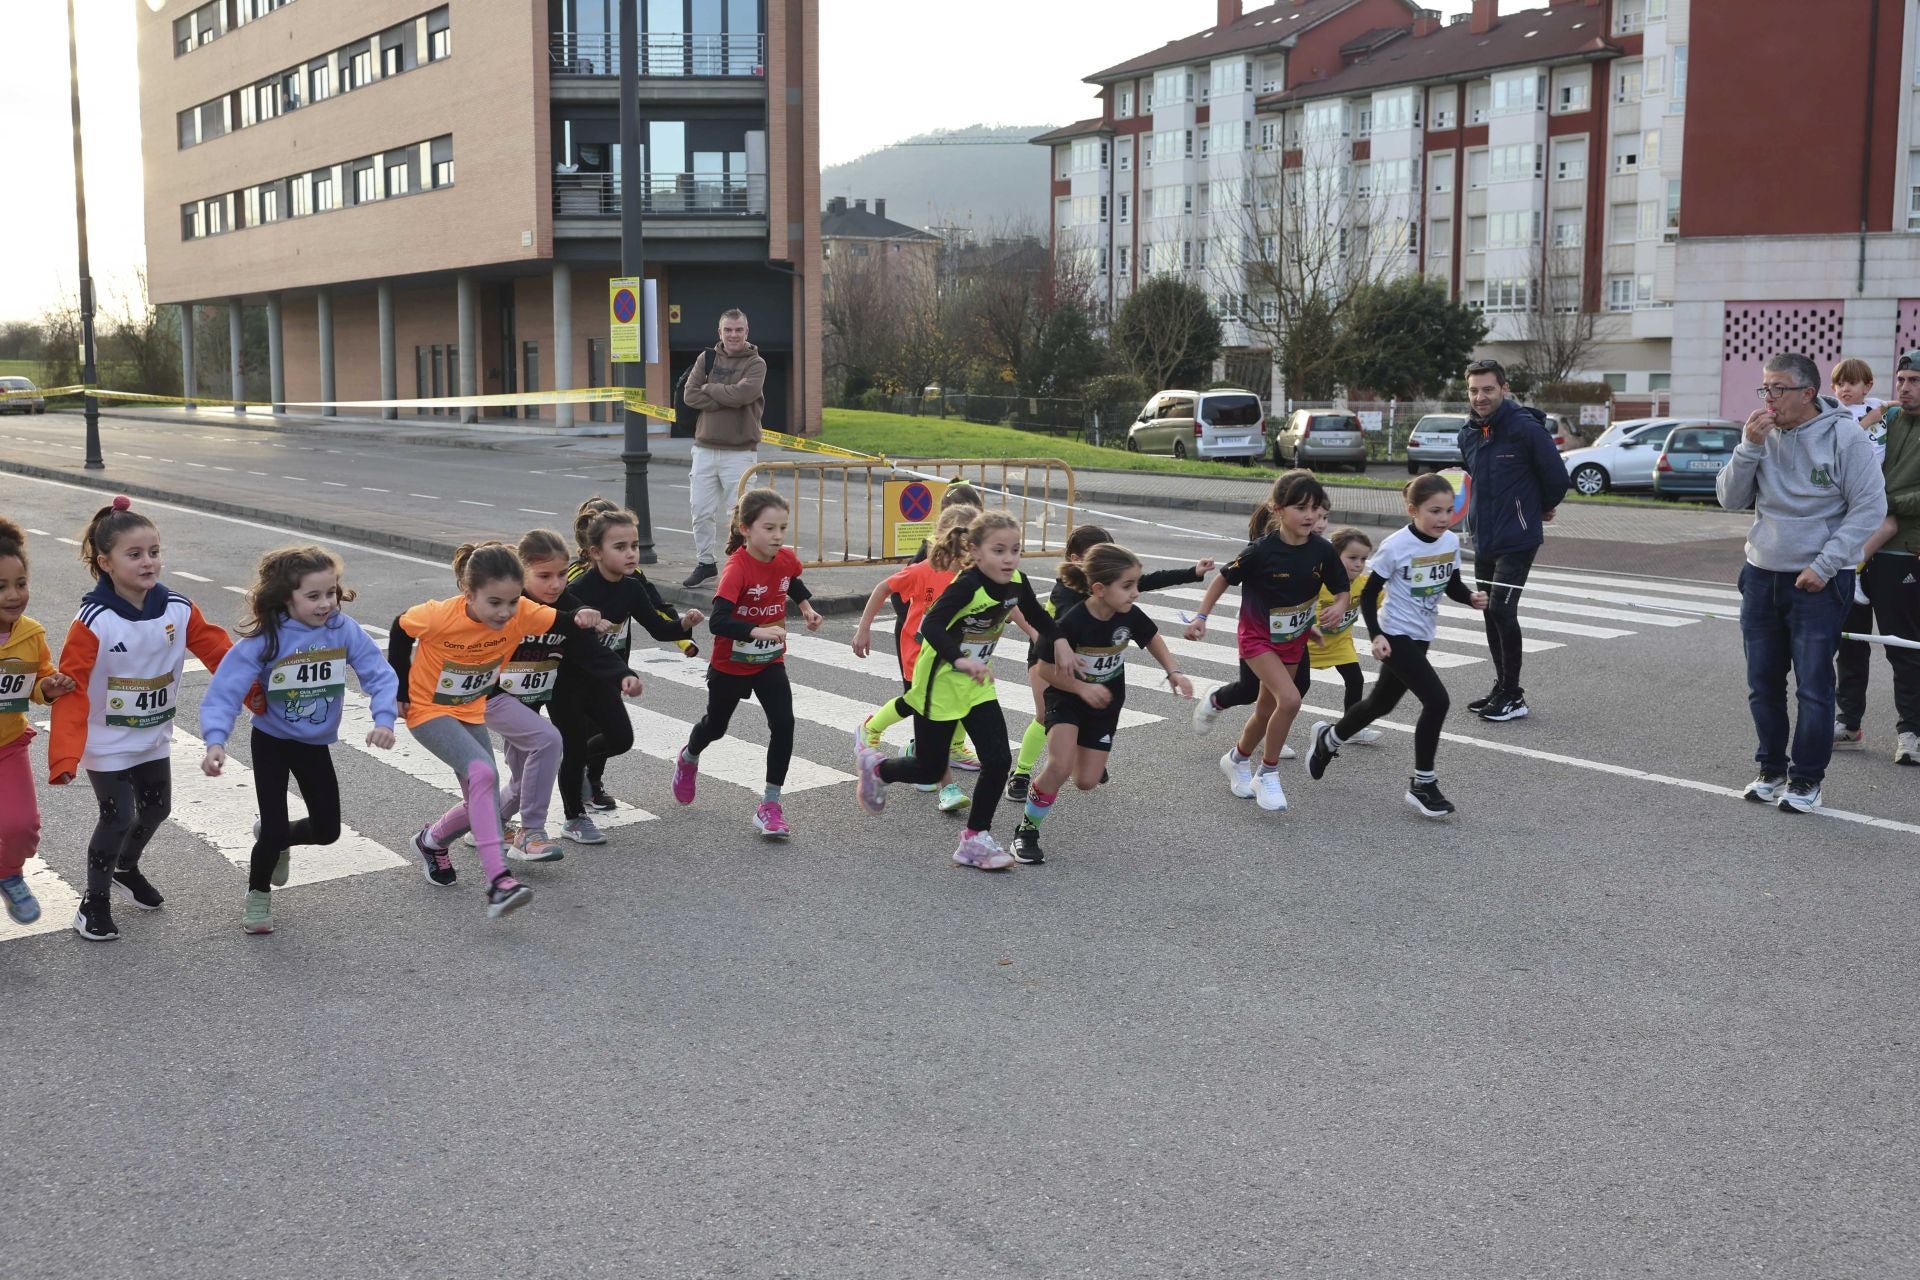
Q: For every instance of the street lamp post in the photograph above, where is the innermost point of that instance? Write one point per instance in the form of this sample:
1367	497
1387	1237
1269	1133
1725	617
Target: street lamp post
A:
634	453
89	373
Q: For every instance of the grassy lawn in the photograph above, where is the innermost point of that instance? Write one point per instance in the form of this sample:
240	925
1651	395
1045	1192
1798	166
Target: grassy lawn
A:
22	369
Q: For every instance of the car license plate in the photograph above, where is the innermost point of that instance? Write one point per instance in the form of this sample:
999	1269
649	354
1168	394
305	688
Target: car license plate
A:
1232	440
1705	464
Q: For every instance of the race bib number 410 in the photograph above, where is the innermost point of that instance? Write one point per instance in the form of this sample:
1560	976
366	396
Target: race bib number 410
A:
135	702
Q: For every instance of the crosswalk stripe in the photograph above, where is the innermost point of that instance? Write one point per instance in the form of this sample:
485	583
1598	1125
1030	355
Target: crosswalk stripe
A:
1530	603
1551	625
744	764
1605	583
58	902
1721	607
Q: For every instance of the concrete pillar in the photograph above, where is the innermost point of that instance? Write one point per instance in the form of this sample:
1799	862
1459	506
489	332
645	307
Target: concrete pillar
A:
234	340
562	374
276	357
389	384
323	301
188	382
469	338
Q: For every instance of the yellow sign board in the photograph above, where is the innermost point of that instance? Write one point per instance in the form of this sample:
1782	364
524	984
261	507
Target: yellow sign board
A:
624	312
909	510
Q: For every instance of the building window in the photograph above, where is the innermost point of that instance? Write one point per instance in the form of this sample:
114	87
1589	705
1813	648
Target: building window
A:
1660	382
1514	230
390	60
1650	148
1122	256
1125	109
1569	160
1442	104
1477	234
439	44
1653	77
440	151
1126	207
360	71
366	185
323	193
1570	89
530	375
1515	163
1478	94
1630	17
1623	216
1626	153
1672	231
1626	82
1440	238
319	83
1568	231
1677	100
399	182
1476	170
1518	94
1509	296
1649	228
1620	296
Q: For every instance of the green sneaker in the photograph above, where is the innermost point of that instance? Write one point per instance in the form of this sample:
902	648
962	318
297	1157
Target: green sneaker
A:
953	799
281	869
256	921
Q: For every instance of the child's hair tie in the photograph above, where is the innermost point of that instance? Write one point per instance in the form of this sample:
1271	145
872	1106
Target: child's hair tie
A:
122	502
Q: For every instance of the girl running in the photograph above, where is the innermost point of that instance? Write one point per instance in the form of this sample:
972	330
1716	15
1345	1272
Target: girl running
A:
1413	567
1083	702
953	683
1062	598
957	494
27	675
749	653
297	644
463	643
124	654
586	706
919	585
1331	644
1280	574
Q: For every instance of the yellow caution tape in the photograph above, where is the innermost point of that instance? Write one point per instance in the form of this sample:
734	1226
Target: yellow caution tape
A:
803	444
579	395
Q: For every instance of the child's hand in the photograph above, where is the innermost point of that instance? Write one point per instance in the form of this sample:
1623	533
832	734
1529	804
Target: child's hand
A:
605	628
812	616
1381	649
60	779
1196	629
214	761
256	700
1478	600
1330	617
380	736
56	685
631	687
770	633
972	667
862	643
1201	568
691	619
1182	687
588	620
1094	695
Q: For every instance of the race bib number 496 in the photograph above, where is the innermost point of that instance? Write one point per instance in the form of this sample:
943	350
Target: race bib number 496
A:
16	685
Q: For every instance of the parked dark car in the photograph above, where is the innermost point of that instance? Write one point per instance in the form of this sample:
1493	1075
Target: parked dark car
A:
1693	458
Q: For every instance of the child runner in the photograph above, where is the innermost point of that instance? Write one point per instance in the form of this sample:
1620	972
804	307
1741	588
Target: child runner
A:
957	494
1413	567
1331	644
919	585
463	642
749	654
27	674
1062	598
953	683
620	641
1083	702
1280	574
296	644
124	654
586	706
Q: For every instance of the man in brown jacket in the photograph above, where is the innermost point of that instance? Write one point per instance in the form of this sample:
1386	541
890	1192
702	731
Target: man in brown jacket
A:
726	386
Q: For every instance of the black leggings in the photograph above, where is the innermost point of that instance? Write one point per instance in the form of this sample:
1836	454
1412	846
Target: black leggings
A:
725	691
933	741
592	719
1405	668
133	804
1245	689
1356	684
311	765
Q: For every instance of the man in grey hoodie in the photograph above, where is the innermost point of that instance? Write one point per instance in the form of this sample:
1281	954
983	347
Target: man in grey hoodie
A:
1817	494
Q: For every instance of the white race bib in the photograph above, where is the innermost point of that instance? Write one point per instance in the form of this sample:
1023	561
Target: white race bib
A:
461	683
758	652
531	682
1100	666
137	702
1289	623
16	685
300	681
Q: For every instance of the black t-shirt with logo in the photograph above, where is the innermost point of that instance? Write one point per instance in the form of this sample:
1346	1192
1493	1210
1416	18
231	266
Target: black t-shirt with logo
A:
1100	648
1280	583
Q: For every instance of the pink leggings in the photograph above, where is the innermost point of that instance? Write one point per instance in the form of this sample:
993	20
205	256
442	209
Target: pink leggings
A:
468	751
19	807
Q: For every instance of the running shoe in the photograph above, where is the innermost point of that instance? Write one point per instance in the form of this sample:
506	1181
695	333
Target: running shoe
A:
1365	736
21	904
583	830
980	850
94	920
1205	712
1512	706
534	845
1018	784
686	770
509	832
963	758
506	894
137	889
1426	797
770	822
1801	797
872	788
701	572
952	798
1907	751
1239	775
1026	845
256	919
1481	704
1767	788
1267	793
1845	739
438	862
281	869
1324	750
597	799
865	736
1286	752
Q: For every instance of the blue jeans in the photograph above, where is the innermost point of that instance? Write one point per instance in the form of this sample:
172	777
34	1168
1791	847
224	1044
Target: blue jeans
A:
1783	626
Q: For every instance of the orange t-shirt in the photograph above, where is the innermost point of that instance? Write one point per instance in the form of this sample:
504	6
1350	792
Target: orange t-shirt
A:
919	584
457	662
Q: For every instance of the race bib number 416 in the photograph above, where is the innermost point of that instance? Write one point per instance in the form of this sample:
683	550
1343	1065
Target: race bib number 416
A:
302	678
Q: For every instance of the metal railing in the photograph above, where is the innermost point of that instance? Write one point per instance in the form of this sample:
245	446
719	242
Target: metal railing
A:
665	195
685	55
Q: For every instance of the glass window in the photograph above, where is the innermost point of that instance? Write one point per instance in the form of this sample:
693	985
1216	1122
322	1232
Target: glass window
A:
1440	238
399	181
1476	170
1677	100
1626	153
1569	159
320	82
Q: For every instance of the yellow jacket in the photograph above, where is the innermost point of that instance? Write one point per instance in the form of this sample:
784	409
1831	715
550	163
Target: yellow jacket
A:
25	661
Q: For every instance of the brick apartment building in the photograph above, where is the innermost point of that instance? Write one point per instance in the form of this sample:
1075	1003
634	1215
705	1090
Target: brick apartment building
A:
856	238
426	197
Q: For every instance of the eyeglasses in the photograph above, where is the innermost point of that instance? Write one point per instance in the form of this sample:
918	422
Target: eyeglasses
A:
1770	393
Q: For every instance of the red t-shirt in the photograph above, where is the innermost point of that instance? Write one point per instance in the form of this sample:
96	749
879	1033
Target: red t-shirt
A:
759	593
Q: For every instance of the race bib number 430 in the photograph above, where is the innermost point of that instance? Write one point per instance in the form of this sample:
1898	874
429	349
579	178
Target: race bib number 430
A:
1427	576
139	703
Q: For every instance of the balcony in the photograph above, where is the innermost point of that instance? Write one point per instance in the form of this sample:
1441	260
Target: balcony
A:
737	197
680	56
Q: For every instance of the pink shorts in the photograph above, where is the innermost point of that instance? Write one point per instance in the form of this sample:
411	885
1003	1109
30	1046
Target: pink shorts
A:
1255	643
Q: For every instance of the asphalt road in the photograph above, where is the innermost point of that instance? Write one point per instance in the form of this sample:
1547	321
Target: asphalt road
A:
1610	1021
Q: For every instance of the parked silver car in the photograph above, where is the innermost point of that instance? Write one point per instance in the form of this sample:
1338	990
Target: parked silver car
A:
1321	438
1435	443
1221	424
1625	454
20	397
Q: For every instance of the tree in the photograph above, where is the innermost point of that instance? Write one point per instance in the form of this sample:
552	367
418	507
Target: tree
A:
930	333
858	319
1065	354
1167	334
142	342
1558	334
1405	337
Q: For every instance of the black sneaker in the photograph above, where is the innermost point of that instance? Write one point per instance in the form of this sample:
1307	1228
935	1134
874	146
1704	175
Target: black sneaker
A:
701	572
506	894
1026	845
137	889
1105	777
94	921
1801	796
1018	785
439	863
597	799
1426	797
1323	750
1512	706
1481	704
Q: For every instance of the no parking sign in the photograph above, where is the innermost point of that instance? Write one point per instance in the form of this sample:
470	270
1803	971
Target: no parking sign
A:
907	514
1462	494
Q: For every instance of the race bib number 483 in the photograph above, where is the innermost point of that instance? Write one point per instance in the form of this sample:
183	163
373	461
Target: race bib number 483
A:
461	683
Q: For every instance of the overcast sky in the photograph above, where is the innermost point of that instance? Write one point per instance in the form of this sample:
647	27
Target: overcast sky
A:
887	71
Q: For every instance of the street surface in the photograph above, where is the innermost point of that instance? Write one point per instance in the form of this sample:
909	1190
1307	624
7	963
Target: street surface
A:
1612	1020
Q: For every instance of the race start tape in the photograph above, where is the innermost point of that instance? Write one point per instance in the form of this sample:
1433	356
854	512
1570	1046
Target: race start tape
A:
578	395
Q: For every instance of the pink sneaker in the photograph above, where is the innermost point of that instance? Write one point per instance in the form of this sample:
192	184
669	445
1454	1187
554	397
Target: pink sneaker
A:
872	788
979	849
770	822
685	770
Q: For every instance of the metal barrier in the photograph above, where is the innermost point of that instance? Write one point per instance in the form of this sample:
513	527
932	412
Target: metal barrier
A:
1039	492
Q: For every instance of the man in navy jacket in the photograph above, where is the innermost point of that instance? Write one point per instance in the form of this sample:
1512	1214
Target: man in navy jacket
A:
1518	480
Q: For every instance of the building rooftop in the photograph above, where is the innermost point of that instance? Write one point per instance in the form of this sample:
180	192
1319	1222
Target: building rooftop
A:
857	222
1275	25
1078	129
1564	33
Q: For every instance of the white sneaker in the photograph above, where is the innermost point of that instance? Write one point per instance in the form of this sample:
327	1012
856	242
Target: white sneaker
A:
1239	775
1204	712
1908	751
1286	752
1364	735
983	852
1267	793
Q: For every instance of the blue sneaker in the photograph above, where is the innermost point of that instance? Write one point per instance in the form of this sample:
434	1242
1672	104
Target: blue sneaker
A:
21	904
